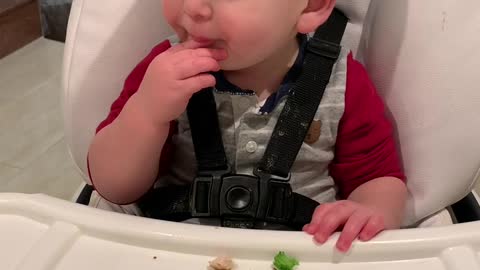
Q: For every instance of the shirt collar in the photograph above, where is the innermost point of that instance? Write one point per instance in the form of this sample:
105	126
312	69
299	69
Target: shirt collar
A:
225	86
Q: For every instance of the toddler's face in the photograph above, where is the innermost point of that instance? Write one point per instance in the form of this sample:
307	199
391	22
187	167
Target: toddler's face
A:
249	30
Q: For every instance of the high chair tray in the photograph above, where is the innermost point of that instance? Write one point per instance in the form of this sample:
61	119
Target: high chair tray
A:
42	233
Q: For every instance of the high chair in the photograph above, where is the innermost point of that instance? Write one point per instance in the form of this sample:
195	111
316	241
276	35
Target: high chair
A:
421	55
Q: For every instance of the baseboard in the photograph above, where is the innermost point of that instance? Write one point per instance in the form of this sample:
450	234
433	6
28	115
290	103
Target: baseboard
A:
19	26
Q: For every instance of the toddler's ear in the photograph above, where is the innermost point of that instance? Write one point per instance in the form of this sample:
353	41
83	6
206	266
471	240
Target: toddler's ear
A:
314	15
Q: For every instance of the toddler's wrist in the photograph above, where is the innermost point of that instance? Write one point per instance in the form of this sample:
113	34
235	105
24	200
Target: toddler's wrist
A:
136	115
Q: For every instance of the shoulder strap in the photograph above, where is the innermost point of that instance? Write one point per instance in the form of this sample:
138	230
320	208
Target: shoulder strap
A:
302	104
206	134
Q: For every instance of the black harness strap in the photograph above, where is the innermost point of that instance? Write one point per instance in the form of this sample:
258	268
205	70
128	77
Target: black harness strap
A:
300	108
206	134
176	203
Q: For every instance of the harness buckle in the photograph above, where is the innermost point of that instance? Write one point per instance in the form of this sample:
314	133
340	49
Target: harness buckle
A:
205	191
276	197
242	200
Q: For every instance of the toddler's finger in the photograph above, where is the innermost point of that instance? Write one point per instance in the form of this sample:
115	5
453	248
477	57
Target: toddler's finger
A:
191	45
199	82
217	54
188	44
374	225
352	228
195	66
317	217
336	217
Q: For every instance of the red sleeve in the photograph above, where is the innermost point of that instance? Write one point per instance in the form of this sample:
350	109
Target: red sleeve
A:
132	83
130	87
365	147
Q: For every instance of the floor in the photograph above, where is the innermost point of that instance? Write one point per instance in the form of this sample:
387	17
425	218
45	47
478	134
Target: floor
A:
19	26
33	154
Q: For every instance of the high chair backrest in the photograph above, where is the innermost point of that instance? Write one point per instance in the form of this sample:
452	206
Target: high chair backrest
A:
420	54
423	57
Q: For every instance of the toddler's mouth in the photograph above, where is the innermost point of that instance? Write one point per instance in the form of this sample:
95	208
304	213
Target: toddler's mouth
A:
202	41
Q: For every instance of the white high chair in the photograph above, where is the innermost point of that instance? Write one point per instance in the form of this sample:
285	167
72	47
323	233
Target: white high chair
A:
420	55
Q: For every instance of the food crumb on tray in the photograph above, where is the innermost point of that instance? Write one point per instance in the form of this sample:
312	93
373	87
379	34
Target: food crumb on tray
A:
222	263
281	262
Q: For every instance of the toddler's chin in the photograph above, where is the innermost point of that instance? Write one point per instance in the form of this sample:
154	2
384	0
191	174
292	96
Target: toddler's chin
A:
232	65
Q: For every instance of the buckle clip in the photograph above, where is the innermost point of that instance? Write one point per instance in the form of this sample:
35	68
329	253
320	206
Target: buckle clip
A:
205	191
241	200
267	177
276	197
324	48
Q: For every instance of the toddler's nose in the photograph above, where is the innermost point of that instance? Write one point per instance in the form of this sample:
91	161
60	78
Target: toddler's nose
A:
198	10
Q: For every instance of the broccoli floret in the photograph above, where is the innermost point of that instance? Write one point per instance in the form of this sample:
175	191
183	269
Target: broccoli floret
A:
283	262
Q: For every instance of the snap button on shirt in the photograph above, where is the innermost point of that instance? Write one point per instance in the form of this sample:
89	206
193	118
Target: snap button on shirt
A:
251	147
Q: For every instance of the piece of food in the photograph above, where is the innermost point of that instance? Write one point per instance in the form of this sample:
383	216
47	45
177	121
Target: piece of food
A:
222	263
284	262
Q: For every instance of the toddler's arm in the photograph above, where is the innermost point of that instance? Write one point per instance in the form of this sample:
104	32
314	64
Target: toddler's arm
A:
386	196
377	205
125	155
366	168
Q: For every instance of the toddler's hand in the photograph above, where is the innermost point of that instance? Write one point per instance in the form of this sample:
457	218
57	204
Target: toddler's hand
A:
358	221
174	76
